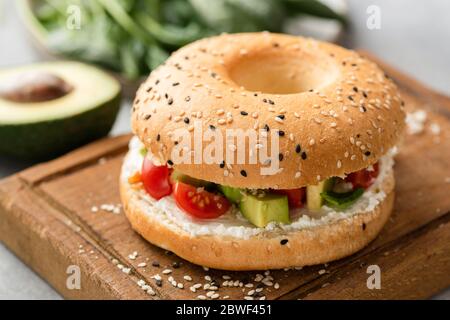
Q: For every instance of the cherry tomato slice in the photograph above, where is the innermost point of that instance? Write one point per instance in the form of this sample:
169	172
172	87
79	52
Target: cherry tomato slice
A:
296	197
156	179
363	178
200	203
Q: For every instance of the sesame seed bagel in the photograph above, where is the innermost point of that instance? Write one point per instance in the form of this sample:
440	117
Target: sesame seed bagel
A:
334	111
275	249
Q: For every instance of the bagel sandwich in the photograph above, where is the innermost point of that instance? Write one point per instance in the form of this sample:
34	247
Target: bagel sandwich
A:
262	151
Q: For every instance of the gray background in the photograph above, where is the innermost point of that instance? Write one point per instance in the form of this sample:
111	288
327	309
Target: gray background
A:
414	37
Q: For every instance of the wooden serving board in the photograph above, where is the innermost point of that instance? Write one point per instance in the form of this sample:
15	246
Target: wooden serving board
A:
46	219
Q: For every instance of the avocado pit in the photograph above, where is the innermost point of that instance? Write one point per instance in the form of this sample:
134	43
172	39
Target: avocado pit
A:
34	87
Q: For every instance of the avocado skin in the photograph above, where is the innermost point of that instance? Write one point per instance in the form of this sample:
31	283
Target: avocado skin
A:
45	140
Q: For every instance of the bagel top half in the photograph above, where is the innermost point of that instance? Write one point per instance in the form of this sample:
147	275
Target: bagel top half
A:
334	111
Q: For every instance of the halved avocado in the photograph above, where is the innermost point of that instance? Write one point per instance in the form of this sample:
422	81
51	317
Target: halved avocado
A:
48	109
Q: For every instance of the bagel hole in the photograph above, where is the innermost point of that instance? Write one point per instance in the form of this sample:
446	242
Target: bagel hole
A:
283	74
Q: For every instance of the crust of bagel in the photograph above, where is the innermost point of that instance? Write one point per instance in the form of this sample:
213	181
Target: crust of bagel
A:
305	247
342	126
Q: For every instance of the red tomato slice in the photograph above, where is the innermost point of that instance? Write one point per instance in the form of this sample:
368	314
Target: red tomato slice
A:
156	179
200	203
296	197
363	178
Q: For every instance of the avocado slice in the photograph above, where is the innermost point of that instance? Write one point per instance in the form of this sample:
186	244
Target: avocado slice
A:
262	210
232	194
74	104
314	200
178	176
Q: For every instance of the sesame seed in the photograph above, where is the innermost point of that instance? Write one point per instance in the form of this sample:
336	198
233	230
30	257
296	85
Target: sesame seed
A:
281	133
298	174
284	241
339	164
167	271
304	156
312	142
244	113
243	173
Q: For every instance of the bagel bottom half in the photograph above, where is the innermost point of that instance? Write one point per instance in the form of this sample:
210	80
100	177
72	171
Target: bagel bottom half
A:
305	247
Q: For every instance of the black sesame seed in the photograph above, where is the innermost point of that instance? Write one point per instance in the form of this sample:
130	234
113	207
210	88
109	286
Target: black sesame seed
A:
166	96
298	149
157	82
244	113
304	155
170	162
280	157
212	127
147	117
355	89
364	108
176	265
158	137
137	101
311	90
187	99
364	226
149	89
213	74
271	102
186	120
243	173
158	283
354	65
367	153
175	84
255	94
168	253
350	98
170	102
364	94
176	143
281	133
155	264
265	100
358	135
266	127
222	165
281	116
284	241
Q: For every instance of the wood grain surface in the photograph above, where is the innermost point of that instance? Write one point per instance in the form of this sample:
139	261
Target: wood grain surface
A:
46	218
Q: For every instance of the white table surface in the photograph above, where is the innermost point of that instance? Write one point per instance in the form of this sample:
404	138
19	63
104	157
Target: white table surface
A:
414	37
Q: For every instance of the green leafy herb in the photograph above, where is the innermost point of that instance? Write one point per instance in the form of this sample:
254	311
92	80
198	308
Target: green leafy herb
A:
135	36
342	200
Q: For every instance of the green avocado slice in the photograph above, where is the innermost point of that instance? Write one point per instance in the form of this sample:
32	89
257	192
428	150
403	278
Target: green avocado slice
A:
178	176
45	129
232	194
260	211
